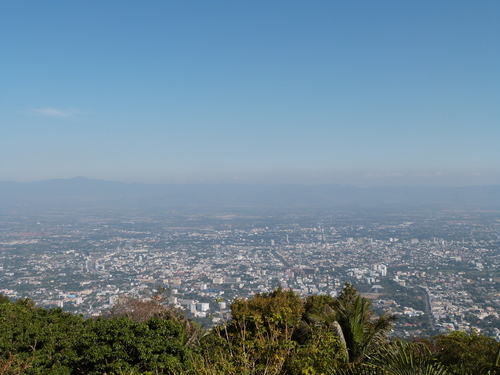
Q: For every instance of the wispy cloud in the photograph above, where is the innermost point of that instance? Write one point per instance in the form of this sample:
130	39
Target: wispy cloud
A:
56	112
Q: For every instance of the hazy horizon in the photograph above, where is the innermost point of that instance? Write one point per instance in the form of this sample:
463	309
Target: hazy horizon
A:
358	93
249	184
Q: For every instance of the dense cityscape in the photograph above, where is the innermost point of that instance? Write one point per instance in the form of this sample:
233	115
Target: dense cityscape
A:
436	269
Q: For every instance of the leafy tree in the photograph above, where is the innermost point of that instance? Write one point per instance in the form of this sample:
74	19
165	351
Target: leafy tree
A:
121	345
268	315
318	315
4	299
257	340
318	355
37	340
465	353
143	310
40	341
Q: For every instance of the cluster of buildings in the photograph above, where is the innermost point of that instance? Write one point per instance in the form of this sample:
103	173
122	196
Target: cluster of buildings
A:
436	273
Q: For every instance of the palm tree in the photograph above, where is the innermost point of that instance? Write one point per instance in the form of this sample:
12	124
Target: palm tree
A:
407	358
349	316
362	334
396	358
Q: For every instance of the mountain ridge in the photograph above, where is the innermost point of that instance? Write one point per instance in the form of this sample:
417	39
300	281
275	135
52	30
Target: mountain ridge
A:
90	192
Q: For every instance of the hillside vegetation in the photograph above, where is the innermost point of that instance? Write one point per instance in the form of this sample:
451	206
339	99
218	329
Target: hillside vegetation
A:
273	333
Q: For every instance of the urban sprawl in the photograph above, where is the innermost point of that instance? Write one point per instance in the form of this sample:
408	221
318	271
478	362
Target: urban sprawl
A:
437	270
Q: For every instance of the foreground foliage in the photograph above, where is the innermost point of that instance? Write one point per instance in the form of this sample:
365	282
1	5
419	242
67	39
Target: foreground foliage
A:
272	333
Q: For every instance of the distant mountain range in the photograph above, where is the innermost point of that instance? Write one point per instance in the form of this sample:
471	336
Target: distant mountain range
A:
83	192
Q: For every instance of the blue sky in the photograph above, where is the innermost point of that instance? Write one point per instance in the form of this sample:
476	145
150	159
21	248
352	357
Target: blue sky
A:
360	93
